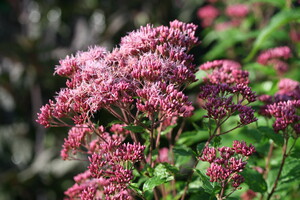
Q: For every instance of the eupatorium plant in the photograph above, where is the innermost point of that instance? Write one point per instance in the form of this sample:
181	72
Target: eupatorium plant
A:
141	83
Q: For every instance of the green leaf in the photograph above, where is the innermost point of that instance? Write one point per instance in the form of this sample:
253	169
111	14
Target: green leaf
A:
168	129
170	168
162	174
189	138
183	151
291	171
206	184
269	133
200	147
254	180
277	21
152	183
135	129
135	187
216	142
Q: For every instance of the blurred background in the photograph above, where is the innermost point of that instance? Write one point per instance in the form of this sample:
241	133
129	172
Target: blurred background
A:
35	34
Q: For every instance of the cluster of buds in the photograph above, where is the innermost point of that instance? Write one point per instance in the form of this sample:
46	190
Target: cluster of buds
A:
111	161
81	137
285	114
109	172
224	71
147	60
221	101
275	57
288	89
226	163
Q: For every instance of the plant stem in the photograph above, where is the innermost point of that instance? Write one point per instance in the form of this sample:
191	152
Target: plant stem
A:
284	156
268	159
220	196
196	163
151	142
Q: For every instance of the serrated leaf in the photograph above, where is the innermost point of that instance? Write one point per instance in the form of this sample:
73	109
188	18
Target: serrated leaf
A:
254	180
278	20
269	133
206	184
161	174
135	129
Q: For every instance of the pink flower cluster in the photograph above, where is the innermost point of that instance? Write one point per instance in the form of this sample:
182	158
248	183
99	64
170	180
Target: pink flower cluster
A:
228	163
88	187
218	101
288	89
81	137
146	72
207	14
237	11
109	172
274	58
285	114
224	71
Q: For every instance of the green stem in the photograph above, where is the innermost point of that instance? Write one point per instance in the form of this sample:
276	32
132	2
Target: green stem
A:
284	156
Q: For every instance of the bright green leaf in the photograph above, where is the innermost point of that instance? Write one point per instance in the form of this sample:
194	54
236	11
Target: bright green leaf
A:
152	183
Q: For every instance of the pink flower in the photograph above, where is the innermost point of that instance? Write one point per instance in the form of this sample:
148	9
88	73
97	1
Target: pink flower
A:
218	101
285	114
207	14
224	71
242	148
248	195
288	89
283	52
149	60
226	167
163	155
237	11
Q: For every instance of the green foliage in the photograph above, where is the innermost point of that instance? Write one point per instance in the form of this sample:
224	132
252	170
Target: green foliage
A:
135	129
163	173
254	180
277	21
269	133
